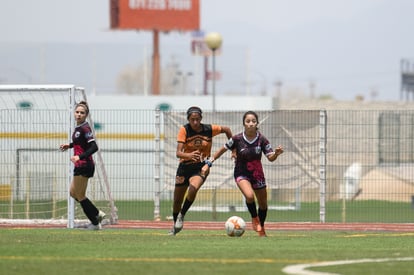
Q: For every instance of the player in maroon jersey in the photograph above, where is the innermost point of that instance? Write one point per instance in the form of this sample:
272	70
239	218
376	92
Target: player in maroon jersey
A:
247	149
84	145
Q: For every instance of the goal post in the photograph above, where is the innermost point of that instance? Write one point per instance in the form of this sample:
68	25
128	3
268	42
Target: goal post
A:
34	121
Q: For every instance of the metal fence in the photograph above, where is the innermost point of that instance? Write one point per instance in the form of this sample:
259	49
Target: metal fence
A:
351	166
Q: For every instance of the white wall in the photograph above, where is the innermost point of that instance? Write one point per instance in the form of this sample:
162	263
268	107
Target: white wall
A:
223	103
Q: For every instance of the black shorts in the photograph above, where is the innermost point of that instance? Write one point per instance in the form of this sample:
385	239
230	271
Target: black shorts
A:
86	171
186	171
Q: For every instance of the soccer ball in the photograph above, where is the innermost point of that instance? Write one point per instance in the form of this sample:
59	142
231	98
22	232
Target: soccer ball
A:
235	226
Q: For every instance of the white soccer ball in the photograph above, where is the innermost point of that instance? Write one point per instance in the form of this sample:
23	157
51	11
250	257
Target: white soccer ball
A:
235	226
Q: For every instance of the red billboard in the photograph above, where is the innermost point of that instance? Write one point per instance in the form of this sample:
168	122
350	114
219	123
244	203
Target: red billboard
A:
162	15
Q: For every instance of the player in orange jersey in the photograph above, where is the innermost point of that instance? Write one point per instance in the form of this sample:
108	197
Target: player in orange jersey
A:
194	141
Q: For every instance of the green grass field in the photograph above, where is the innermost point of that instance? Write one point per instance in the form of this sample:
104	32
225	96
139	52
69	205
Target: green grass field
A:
139	251
336	211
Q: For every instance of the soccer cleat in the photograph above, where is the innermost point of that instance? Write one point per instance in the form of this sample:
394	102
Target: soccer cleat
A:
101	216
178	225
94	227
172	232
256	224
262	232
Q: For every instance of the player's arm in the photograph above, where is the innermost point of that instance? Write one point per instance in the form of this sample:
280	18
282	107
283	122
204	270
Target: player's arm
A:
180	152
234	154
228	146
194	156
92	149
64	147
218	153
273	156
226	130
209	161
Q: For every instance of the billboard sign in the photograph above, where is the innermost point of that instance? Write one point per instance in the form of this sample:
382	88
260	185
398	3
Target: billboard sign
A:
162	15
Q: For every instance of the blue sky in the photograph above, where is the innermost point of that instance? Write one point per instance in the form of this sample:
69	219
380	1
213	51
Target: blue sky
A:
344	47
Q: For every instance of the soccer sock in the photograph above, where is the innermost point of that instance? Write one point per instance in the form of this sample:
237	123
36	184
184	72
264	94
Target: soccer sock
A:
90	210
175	215
252	209
262	216
187	204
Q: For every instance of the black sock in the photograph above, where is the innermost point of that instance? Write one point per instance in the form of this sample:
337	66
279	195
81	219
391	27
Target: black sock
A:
262	216
90	211
175	215
252	209
187	204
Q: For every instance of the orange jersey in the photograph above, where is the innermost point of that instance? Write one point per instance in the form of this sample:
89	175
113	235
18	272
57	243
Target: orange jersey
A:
201	141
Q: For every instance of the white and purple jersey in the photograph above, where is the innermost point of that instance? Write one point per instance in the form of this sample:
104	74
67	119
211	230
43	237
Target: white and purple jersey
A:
249	154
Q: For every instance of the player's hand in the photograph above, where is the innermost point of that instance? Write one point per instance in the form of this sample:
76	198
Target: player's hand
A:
273	156
64	147
279	150
195	156
234	155
74	159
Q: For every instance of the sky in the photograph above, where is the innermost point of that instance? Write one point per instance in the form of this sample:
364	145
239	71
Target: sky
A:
342	48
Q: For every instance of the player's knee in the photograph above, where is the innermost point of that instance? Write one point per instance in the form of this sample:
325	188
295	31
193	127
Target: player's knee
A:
192	193
73	195
249	198
192	189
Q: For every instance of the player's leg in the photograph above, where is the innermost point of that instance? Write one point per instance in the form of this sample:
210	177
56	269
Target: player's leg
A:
78	192
195	183
261	195
179	193
248	193
197	175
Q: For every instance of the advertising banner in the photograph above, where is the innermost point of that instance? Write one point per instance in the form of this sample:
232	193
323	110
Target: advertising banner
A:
162	15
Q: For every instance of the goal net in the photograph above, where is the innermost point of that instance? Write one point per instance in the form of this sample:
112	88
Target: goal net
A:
35	175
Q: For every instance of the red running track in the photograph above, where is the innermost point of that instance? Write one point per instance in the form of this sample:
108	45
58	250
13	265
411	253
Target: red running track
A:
288	226
400	227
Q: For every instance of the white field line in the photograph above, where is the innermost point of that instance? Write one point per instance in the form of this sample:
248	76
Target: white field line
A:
300	269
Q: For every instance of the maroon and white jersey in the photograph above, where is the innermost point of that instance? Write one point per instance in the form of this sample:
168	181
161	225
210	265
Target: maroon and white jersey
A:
81	138
249	154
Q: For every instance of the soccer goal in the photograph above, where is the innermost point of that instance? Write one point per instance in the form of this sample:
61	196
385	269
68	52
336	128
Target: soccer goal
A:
34	175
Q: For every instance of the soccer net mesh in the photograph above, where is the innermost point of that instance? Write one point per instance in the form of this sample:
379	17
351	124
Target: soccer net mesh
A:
34	174
292	178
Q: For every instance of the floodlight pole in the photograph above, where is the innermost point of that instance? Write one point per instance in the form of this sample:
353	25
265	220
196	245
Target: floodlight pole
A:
214	80
214	41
